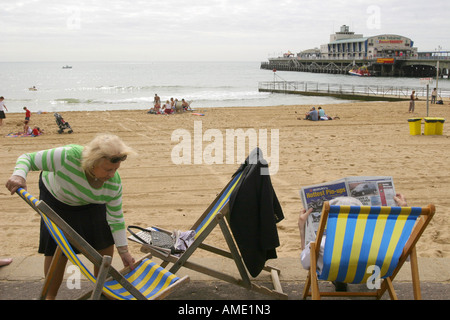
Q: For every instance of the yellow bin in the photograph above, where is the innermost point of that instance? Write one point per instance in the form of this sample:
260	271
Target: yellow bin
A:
439	125
415	126
430	126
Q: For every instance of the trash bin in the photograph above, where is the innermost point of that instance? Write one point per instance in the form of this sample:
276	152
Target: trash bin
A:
415	126
439	125
430	126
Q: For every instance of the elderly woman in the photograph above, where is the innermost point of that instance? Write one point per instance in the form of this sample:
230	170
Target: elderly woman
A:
83	186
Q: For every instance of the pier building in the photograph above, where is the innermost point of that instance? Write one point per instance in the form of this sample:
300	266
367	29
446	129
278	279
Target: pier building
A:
383	55
345	44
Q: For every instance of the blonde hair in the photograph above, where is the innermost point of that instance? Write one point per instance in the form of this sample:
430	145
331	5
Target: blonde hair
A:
103	146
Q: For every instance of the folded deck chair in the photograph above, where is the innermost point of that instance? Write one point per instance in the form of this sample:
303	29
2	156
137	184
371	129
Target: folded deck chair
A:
218	213
146	281
358	238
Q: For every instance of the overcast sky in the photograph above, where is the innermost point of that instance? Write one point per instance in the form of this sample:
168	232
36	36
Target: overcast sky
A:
214	30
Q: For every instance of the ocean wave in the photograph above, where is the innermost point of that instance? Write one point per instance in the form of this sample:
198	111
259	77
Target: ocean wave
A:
98	101
70	101
226	96
203	96
153	88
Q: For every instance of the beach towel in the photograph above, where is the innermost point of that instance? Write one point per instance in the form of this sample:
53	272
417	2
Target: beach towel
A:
20	135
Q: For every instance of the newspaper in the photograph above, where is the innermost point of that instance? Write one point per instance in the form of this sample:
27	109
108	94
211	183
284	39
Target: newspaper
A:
370	190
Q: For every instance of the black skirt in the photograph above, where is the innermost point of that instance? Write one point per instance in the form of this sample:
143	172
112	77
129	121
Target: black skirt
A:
2	115
89	221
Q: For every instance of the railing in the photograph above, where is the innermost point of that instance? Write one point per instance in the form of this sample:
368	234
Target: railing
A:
347	89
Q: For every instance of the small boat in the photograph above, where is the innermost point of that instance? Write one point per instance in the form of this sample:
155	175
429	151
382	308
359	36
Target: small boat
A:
67	67
360	72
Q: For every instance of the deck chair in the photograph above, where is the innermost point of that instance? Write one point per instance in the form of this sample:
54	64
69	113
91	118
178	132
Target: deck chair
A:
147	281
361	237
217	214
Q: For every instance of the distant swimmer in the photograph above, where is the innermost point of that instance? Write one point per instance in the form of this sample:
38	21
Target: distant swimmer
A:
33	88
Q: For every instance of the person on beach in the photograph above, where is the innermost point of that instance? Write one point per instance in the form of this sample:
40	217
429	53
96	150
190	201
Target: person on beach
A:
312	115
36	131
26	129
157	100
185	105
433	95
399	199
321	112
155	110
167	107
3	108
157	104
83	186
411	102
27	114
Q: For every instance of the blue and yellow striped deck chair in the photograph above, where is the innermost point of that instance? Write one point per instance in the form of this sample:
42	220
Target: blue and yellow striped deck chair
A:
146	281
367	244
214	215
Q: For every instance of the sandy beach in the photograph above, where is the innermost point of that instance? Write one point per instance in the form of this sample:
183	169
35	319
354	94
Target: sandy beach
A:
369	138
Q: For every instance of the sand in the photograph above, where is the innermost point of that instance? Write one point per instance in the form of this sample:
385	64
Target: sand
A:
370	138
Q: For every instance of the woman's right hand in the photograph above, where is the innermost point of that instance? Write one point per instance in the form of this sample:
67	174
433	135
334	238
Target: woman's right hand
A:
14	183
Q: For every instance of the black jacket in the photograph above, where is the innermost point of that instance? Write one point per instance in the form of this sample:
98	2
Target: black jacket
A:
254	213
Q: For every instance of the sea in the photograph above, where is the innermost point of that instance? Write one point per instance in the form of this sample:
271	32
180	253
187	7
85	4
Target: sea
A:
100	86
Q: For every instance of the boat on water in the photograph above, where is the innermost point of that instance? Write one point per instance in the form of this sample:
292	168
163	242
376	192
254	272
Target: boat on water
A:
360	72
67	67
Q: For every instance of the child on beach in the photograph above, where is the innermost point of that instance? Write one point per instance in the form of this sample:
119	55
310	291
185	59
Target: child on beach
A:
27	114
185	105
26	128
167	107
36	131
2	110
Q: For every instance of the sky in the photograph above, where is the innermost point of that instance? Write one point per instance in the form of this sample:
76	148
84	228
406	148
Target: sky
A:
199	30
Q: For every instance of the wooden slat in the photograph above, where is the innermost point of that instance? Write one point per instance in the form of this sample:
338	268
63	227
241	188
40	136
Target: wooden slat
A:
101	278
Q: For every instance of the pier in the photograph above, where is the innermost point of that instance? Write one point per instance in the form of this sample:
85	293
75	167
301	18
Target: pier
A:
385	55
346	91
421	66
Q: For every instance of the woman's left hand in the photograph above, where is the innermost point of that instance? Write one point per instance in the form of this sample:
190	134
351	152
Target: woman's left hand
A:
127	259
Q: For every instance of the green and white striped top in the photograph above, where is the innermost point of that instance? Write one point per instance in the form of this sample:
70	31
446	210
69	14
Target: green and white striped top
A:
66	180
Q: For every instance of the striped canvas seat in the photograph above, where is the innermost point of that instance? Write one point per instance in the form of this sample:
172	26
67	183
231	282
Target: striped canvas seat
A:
362	242
149	278
217	206
360	237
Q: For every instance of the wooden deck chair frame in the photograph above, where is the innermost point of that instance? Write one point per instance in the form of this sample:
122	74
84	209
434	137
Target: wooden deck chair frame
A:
217	214
107	273
425	215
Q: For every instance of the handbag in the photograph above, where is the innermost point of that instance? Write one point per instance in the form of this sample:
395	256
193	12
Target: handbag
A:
153	237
